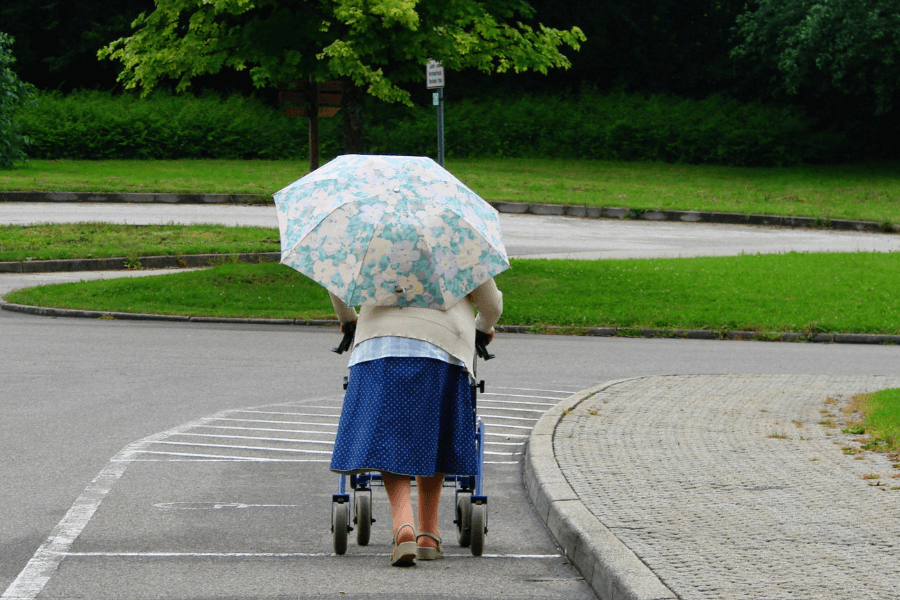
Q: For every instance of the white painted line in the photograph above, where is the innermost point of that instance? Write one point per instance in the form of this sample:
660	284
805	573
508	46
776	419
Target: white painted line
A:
216	505
221	458
262	439
504	426
521	396
504	443
280	555
516	402
500	387
501	462
502	453
528	410
272	430
231	447
507	435
293	414
480	414
275	422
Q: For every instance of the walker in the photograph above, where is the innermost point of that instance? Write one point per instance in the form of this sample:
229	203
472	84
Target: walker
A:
470	501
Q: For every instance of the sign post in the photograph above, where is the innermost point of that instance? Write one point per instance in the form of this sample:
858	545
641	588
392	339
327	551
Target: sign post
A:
314	98
434	79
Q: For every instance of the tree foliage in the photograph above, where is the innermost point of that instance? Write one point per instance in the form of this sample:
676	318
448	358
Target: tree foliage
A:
825	47
13	93
375	44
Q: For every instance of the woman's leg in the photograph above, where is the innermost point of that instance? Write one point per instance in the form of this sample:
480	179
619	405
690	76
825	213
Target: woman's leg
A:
429	501
397	487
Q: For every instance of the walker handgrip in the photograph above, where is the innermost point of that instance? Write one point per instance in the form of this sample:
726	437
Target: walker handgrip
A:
347	342
482	339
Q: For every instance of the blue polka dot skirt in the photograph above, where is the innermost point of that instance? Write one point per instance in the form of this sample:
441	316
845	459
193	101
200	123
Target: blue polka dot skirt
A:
409	416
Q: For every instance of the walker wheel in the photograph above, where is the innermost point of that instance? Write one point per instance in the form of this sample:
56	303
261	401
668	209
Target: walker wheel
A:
363	519
463	519
479	523
340	521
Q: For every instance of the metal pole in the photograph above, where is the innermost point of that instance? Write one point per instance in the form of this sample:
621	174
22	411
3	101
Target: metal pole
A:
313	125
440	119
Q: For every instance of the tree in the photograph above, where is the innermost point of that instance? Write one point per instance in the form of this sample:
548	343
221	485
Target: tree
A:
13	93
57	40
823	48
371	45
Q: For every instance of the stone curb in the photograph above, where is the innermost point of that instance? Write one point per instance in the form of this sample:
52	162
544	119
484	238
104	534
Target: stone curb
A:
106	314
688	334
590	212
137	198
146	262
612	570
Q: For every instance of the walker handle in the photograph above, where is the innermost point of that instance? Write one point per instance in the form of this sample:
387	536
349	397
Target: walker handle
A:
482	339
347	342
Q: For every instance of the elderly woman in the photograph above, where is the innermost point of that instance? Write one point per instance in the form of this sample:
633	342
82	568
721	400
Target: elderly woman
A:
408	406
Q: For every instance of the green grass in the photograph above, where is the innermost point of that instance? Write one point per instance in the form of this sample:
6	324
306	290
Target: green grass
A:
869	192
803	293
880	423
881	420
103	240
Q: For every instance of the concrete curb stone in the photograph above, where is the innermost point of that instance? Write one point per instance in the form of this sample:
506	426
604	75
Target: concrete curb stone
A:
612	570
120	263
571	210
690	334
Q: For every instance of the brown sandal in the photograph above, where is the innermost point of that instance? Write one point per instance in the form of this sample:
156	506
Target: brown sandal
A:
403	555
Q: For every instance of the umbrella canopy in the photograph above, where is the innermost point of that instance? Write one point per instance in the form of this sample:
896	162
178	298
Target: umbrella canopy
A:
389	231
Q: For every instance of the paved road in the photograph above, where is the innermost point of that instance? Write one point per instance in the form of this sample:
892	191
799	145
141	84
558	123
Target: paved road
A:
76	392
525	235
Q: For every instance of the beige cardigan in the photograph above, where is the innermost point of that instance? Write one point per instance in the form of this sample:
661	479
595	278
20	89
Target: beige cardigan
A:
452	330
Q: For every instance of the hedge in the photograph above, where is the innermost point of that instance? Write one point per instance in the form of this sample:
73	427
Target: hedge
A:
716	130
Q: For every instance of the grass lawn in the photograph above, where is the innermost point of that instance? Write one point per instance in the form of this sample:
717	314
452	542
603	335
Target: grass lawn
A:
104	240
881	419
879	423
869	192
850	293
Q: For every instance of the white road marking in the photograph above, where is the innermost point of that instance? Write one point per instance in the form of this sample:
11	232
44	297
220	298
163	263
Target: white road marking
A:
498	387
508	418
262	439
275	422
269	429
521	396
223	458
235	447
517	402
279	555
292	414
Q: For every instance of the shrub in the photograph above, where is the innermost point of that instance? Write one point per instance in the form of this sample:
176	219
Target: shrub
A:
98	125
716	130
13	94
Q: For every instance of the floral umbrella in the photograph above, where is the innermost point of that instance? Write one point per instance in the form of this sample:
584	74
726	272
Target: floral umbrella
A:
389	231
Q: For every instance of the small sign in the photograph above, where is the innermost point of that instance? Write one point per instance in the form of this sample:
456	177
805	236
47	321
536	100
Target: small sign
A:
434	75
435	98
302	111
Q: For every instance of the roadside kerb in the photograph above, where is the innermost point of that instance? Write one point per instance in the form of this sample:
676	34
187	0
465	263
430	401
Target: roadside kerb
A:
686	334
568	210
612	570
120	263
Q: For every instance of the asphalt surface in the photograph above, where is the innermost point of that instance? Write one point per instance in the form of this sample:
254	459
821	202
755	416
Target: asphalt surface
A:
531	236
172	513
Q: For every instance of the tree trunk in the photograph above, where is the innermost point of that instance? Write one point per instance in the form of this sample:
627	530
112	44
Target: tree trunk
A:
353	100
